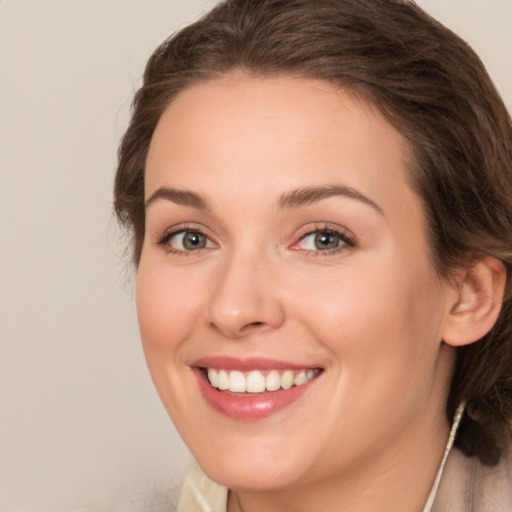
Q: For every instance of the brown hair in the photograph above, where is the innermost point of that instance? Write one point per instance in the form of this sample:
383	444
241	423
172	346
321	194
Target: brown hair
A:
429	84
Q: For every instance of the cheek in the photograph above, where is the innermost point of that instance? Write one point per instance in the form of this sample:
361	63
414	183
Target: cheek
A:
167	308
387	314
381	327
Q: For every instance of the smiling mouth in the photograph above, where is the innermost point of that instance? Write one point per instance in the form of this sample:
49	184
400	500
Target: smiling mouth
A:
256	381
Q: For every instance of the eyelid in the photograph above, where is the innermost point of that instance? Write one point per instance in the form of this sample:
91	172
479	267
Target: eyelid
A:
170	232
348	239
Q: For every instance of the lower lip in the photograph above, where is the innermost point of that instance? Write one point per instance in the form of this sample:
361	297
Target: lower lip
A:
250	407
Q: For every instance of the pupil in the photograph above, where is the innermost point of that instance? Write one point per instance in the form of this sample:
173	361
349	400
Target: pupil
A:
326	241
194	241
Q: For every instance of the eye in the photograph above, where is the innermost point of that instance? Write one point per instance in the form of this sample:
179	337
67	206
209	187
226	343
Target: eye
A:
326	240
321	241
186	241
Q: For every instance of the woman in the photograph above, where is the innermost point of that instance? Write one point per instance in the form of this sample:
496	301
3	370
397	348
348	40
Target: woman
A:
319	195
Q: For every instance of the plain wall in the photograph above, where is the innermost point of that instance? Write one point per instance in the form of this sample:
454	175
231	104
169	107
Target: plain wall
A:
80	424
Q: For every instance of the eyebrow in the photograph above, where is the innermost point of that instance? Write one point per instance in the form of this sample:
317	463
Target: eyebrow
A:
182	197
308	195
291	199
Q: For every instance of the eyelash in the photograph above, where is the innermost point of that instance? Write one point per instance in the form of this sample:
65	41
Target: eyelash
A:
347	240
168	236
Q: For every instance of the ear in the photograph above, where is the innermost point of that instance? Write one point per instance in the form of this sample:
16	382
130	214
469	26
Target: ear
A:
477	304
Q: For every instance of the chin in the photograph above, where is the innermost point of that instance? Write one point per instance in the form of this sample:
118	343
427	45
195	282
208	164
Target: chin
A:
242	473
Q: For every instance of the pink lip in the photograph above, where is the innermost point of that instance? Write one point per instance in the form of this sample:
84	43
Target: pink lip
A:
248	407
248	364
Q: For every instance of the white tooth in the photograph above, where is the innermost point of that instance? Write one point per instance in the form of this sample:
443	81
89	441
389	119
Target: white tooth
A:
300	378
237	382
213	377
223	382
255	382
287	379
310	374
273	381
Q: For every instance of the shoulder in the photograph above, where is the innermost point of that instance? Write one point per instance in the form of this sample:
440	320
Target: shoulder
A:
469	485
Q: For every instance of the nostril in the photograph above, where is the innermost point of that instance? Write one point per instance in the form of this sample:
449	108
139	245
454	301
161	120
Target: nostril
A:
238	330
252	325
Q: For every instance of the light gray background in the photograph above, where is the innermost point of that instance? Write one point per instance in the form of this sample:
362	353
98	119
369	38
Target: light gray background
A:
81	427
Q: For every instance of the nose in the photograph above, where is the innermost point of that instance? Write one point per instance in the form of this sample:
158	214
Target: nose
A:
244	298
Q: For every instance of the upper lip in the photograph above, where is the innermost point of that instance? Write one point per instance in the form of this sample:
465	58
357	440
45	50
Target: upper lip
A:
248	364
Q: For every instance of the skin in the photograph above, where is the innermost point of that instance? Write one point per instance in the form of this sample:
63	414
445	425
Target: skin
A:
370	432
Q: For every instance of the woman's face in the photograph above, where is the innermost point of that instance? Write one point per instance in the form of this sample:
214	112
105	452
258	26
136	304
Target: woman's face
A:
284	247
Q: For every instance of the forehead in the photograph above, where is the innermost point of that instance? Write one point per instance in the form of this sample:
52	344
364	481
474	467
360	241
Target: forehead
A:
263	135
